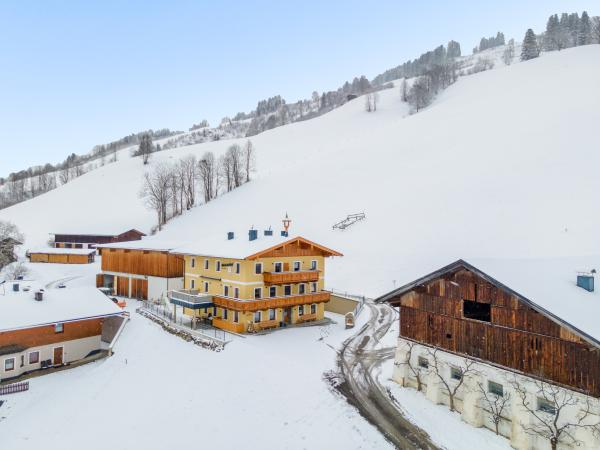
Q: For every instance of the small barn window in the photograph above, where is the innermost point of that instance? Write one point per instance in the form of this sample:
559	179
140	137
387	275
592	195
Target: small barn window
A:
9	364
59	328
456	373
477	311
496	388
34	357
546	406
423	363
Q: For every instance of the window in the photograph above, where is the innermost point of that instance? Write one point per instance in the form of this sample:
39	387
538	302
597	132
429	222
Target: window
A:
34	357
218	266
236	316
278	267
224	314
258	268
272	313
206	264
496	388
226	291
273	291
193	262
236	292
206	286
456	373
238	268
59	328
546	406
257	316
287	290
313	264
423	363
193	284
301	310
313	286
313	308
301	289
257	292
297	266
477	311
9	364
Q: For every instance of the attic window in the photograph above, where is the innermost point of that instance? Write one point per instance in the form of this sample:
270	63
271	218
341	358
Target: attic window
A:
477	311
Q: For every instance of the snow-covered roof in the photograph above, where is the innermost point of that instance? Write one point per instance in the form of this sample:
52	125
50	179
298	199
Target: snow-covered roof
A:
549	285
20	309
108	232
63	251
151	244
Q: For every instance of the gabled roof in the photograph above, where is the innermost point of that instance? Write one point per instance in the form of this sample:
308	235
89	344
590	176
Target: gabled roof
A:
546	285
297	240
62	251
243	248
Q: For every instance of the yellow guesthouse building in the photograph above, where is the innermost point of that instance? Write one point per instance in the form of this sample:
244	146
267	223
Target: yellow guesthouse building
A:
247	286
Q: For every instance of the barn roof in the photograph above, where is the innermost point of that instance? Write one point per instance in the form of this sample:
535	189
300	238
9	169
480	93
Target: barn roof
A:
104	233
548	285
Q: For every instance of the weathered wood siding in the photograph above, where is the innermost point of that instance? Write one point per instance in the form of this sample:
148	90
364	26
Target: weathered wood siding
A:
142	262
517	337
131	235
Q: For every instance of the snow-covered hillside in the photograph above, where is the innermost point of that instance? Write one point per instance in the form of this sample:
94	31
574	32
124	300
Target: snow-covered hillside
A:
503	164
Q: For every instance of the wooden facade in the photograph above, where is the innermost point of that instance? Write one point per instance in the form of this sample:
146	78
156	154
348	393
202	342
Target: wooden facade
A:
463	312
76	240
142	262
61	258
46	335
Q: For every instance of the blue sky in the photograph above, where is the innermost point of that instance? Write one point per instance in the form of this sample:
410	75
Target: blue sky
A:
76	74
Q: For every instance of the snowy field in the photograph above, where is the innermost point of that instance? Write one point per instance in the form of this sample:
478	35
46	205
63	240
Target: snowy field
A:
160	392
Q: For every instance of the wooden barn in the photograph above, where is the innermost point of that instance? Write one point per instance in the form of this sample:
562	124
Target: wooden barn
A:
140	269
62	255
536	320
81	240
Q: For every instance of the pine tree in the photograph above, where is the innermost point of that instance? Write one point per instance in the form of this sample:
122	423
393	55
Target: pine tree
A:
552	37
584	36
453	49
530	48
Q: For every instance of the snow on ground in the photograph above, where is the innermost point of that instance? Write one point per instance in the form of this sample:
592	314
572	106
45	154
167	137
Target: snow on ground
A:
160	392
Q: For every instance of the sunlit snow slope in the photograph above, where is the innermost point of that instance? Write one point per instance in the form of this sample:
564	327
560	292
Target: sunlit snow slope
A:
505	163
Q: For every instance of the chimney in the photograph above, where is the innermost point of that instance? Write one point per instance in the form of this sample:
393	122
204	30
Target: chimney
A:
269	232
252	235
39	296
586	281
230	235
284	233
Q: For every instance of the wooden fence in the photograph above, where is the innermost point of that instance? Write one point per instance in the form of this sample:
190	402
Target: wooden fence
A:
14	388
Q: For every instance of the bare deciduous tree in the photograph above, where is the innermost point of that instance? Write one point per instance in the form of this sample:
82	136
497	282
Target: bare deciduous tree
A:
557	413
464	370
404	90
419	95
495	405
188	167
371	102
156	191
208	176
249	158
9	236
416	371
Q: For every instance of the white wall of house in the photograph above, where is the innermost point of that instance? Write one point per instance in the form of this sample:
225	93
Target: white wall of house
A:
73	350
470	402
158	287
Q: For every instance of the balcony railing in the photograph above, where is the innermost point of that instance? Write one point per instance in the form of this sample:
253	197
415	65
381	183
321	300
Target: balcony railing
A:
268	303
304	276
190	299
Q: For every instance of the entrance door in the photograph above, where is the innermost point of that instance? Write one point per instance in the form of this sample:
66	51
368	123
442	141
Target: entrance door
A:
287	315
58	356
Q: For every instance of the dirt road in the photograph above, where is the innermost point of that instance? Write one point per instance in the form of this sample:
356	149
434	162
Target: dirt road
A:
357	359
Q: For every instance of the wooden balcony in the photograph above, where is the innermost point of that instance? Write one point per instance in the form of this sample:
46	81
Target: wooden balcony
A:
307	317
268	303
304	276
